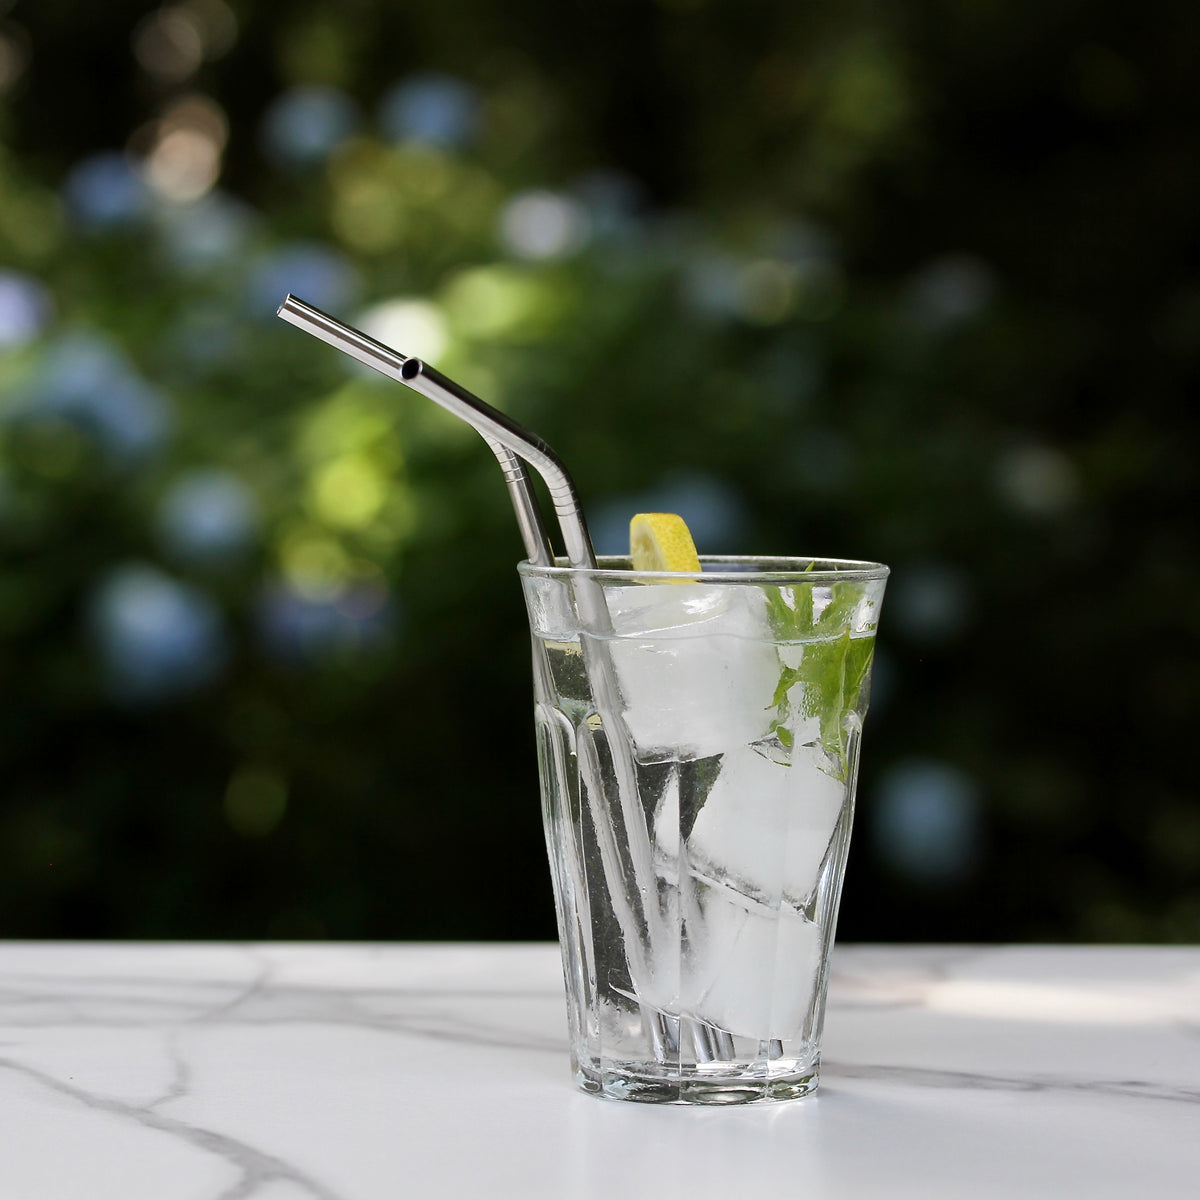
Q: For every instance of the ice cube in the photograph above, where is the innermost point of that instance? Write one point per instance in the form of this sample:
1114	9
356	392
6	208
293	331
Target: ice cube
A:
745	967
671	609
766	825
751	970
696	667
551	609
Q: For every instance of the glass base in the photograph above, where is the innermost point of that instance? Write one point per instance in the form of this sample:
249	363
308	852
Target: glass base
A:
643	1084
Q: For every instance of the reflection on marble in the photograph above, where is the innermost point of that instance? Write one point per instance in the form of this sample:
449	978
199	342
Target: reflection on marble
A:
348	1072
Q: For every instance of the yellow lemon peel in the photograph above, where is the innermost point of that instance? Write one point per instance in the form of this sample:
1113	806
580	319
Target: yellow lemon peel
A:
661	542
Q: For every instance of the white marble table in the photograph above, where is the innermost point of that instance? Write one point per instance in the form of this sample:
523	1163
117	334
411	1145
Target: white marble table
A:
315	1072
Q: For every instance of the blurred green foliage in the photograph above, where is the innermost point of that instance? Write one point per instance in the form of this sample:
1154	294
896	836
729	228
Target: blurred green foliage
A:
913	282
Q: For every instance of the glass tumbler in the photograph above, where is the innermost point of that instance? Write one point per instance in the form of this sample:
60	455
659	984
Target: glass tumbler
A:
698	739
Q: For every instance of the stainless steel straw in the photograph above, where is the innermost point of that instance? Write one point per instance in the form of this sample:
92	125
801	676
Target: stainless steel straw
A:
512	442
466	407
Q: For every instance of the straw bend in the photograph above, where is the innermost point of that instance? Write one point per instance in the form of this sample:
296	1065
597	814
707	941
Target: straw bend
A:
423	378
392	363
500	431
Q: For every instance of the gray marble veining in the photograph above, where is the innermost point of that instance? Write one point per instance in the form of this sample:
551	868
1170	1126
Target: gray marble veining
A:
347	1072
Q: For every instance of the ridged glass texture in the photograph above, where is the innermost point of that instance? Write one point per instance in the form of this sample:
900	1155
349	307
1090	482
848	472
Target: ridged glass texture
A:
698	744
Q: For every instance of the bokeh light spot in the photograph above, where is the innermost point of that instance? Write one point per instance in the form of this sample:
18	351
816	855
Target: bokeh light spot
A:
927	821
14	56
25	309
171	43
542	225
206	233
310	270
306	124
183	156
105	191
415	327
1037	479
502	302
303	629
929	602
184	165
949	291
256	800
367	215
156	639
208	518
349	492
712	283
436	109
767	291
867	94
357	419
314	565
168	44
85	380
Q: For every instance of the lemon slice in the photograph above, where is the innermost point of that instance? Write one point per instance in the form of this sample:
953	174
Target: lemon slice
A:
661	542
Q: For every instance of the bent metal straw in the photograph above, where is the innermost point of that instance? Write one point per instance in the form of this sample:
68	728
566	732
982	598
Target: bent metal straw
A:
466	407
510	441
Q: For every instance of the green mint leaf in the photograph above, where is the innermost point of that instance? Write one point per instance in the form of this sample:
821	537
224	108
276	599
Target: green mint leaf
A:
788	676
833	664
837	614
780	614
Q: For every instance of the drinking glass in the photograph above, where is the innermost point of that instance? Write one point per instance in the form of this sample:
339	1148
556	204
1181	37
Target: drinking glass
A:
698	739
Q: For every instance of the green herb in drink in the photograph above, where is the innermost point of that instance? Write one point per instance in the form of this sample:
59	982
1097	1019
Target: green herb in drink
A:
833	664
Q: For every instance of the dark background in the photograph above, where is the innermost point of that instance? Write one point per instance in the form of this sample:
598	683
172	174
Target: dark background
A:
914	282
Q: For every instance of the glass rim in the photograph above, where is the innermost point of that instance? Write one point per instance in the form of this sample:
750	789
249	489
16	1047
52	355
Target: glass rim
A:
744	568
